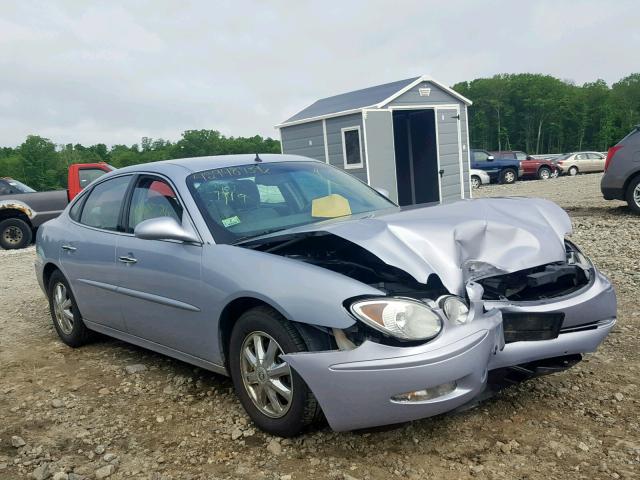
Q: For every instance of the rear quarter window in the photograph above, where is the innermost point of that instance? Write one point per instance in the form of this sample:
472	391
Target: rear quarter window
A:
632	137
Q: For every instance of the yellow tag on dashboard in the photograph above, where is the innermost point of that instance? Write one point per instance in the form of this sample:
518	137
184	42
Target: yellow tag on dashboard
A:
331	206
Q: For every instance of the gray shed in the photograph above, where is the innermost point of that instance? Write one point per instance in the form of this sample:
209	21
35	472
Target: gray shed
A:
409	137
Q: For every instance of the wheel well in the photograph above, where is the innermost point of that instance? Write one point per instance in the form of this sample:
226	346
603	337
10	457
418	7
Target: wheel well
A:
314	338
48	270
544	166
629	180
6	213
228	318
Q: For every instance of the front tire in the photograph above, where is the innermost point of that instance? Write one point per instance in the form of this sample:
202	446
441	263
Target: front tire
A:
508	176
544	173
65	314
573	171
274	395
475	181
15	233
633	195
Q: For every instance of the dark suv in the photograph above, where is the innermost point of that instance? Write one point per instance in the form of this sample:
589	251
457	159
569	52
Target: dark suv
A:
621	179
501	170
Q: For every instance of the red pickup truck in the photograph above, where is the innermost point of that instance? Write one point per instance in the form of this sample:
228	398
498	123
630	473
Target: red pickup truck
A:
531	167
23	210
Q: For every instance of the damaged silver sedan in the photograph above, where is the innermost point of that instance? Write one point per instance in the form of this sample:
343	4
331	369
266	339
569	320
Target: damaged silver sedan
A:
317	294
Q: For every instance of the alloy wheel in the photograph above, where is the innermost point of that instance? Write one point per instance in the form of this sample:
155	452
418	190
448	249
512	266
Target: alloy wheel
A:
62	308
573	171
12	235
636	195
545	174
475	182
509	177
266	378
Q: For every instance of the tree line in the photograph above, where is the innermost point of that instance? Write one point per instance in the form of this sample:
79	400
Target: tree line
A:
530	112
43	165
542	114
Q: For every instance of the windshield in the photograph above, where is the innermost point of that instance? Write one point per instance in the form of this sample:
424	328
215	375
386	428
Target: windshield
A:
250	200
21	187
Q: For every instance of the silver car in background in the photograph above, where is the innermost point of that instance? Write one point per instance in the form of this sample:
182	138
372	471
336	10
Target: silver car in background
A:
479	178
580	162
317	294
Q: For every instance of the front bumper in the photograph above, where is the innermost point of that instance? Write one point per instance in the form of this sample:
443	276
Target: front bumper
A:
355	387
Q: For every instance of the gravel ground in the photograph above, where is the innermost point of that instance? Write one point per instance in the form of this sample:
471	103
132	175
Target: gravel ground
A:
71	414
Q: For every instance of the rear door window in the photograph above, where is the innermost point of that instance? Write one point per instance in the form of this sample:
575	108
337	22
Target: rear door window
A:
102	207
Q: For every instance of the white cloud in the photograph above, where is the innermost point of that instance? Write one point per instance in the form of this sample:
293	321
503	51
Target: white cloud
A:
106	72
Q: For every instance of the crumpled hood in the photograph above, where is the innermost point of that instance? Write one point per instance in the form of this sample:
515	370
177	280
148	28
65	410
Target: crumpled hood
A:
511	234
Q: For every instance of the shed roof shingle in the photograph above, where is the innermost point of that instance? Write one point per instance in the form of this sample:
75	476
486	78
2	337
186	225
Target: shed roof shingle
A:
351	100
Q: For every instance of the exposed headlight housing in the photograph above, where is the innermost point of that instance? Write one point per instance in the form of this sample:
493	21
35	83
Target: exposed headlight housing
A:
575	255
402	318
455	308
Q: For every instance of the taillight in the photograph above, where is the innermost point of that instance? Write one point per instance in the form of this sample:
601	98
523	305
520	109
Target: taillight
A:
610	153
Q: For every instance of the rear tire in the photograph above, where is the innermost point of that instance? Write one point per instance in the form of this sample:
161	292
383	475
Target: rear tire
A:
508	175
15	233
544	173
573	171
65	314
633	195
256	380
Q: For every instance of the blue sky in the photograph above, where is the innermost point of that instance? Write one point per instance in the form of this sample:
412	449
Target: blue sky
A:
113	72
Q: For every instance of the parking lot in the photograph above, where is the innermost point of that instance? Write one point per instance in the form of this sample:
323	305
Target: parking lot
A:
118	411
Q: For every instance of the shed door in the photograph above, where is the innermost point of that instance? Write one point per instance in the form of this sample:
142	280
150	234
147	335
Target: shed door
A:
416	152
449	154
380	153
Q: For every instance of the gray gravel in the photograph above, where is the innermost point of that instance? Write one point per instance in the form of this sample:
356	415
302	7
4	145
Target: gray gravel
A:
110	410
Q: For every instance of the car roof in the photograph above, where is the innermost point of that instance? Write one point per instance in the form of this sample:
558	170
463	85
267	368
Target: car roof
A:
199	164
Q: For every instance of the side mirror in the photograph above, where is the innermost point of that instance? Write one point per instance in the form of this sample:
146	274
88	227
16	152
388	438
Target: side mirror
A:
382	191
164	228
490	158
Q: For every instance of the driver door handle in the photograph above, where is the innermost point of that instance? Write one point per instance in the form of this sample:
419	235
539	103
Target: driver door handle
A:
69	248
128	260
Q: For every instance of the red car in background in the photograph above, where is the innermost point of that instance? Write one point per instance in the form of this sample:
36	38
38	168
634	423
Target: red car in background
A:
531	167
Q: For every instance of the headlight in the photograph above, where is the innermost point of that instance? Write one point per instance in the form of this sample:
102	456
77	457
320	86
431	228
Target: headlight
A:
575	255
405	319
455	309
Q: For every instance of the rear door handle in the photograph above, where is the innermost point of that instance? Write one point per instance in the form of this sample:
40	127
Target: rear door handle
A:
128	260
69	248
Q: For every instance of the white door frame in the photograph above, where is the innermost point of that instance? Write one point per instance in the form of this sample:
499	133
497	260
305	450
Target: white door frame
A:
435	108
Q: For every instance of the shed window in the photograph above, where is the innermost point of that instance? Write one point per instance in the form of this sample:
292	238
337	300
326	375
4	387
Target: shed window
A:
352	147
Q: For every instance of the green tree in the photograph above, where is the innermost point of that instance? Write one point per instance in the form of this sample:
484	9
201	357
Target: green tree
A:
42	167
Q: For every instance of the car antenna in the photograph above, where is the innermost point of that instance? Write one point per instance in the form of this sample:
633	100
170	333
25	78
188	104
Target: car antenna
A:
257	159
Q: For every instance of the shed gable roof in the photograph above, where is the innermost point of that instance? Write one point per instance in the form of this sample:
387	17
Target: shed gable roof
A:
376	96
351	100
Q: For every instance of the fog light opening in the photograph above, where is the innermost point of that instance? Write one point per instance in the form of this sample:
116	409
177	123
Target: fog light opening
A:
430	393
